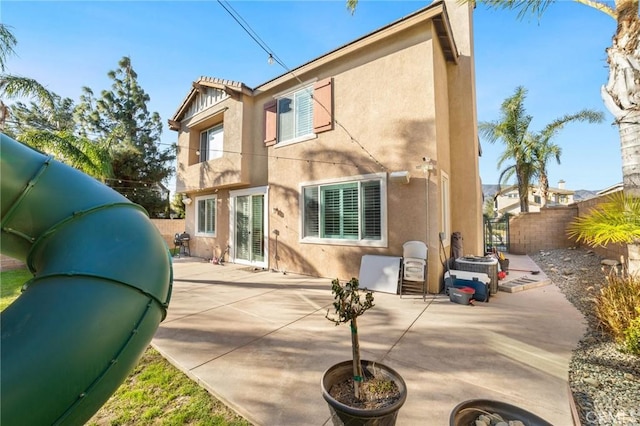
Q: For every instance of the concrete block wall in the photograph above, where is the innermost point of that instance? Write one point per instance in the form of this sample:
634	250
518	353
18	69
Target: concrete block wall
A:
544	230
169	228
547	229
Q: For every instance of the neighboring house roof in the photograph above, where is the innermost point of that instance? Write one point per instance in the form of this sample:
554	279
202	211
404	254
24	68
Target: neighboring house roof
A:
436	11
515	206
502	191
230	87
561	191
613	188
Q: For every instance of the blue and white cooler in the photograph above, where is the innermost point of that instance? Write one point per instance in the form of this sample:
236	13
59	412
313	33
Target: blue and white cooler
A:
478	281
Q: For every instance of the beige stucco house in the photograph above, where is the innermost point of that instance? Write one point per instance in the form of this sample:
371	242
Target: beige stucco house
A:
355	152
507	201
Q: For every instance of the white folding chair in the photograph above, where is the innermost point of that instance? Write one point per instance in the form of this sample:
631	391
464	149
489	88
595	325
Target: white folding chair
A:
414	264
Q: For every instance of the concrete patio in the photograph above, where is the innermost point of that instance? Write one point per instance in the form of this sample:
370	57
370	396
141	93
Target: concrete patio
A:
259	341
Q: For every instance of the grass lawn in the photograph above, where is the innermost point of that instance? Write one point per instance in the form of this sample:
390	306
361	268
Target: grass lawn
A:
10	284
155	393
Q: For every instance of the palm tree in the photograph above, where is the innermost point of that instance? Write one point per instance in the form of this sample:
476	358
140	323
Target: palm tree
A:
512	129
531	151
527	173
543	149
620	93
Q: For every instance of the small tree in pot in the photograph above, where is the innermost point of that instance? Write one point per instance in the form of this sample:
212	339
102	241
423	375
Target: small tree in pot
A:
360	392
349	306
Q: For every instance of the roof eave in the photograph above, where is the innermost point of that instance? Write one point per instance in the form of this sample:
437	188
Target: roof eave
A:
435	10
234	89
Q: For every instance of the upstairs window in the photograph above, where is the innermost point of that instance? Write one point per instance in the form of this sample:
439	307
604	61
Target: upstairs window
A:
295	115
211	143
300	114
350	211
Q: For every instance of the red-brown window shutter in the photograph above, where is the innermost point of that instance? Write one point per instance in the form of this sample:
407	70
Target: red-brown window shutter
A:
323	105
270	123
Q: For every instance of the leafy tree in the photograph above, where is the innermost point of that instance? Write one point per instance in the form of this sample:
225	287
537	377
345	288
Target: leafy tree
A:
488	211
119	118
177	206
543	149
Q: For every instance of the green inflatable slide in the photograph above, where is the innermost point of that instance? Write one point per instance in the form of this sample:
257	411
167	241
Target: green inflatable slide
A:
101	285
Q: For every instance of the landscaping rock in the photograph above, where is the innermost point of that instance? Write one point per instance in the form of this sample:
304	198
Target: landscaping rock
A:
604	381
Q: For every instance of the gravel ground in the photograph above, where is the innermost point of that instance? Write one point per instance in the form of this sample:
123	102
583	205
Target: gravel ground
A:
605	382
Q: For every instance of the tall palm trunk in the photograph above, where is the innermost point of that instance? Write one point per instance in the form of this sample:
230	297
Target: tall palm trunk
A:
544	189
621	94
630	146
523	189
622	97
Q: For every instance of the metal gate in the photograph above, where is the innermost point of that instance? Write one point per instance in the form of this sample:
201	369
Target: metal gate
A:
496	234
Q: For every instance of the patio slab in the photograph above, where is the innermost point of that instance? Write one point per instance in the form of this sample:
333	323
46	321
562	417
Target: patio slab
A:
259	341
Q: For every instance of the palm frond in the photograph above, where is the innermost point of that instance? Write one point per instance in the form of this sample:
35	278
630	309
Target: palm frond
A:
524	7
22	87
7	44
586	115
81	153
615	221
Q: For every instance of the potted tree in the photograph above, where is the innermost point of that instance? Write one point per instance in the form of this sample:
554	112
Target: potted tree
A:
359	392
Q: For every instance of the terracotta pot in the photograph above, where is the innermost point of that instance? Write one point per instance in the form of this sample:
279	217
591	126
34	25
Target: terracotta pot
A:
342	414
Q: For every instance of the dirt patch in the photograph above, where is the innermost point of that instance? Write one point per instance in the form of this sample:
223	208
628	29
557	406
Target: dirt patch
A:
375	393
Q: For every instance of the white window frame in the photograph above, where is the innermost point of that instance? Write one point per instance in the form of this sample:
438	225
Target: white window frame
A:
302	137
446	207
212	152
215	216
382	242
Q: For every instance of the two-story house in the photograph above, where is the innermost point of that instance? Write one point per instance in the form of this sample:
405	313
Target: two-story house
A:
355	152
507	201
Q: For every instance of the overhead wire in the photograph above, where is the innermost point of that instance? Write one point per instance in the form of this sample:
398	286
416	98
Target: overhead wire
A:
263	45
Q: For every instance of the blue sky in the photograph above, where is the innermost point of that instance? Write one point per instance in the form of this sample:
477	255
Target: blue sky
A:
559	59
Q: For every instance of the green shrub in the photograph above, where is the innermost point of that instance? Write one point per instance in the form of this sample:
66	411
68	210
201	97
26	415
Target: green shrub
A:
632	337
617	302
